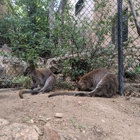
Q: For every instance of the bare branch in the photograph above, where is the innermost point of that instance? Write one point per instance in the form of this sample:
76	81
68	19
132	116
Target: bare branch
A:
51	17
62	6
137	24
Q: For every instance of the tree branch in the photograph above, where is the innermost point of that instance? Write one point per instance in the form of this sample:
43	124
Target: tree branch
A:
137	24
51	17
62	6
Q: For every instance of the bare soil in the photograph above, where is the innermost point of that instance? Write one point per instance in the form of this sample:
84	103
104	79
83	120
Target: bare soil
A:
83	118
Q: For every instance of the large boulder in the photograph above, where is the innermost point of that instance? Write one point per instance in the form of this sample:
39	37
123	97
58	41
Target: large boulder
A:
10	66
16	131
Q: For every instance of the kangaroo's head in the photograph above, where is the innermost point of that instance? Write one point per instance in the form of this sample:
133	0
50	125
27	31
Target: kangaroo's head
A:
30	69
81	85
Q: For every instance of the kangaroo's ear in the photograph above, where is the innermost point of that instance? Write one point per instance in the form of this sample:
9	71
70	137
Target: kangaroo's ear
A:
31	62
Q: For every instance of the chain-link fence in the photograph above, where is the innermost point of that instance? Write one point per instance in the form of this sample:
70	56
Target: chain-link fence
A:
70	36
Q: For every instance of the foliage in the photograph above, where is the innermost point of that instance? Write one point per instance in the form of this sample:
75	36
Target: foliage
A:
64	85
24	81
90	40
137	69
78	67
79	40
74	123
29	34
99	54
26	119
28	29
1	2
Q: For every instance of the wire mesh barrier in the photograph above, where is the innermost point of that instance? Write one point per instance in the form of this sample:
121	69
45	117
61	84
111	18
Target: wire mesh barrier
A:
71	37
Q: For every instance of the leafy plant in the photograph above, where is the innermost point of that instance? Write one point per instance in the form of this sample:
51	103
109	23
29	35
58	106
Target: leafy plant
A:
137	69
26	119
87	41
73	121
28	29
64	85
1	2
25	81
82	127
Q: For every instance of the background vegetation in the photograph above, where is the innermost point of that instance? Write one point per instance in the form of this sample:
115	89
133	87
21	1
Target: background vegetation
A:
34	30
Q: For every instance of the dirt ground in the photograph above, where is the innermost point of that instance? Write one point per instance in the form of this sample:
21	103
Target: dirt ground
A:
83	118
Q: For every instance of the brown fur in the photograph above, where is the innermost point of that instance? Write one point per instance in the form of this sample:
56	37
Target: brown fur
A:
89	81
43	80
107	87
104	84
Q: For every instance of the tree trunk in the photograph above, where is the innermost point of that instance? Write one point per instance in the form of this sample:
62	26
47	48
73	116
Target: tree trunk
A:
51	17
61	11
62	7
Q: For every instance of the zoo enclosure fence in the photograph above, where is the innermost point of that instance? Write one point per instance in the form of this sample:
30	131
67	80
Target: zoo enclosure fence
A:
83	32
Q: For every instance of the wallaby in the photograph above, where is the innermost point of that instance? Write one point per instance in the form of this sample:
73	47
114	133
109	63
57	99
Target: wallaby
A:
101	81
43	80
89	81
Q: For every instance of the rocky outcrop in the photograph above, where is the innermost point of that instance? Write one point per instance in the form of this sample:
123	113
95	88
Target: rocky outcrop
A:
56	63
10	66
51	134
16	131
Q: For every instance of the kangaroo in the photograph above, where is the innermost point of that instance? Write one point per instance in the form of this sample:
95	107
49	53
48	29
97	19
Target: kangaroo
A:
89	81
43	80
100	81
107	87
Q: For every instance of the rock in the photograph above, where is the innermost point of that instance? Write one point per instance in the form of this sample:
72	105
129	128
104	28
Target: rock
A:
40	62
10	66
3	122
80	102
6	49
14	67
58	115
56	64
50	133
17	131
60	77
2	71
38	130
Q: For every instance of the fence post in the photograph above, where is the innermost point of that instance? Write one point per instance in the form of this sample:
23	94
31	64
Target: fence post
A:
120	48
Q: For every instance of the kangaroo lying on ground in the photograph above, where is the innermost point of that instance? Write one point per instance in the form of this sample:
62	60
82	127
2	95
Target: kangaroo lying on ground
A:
43	80
101	81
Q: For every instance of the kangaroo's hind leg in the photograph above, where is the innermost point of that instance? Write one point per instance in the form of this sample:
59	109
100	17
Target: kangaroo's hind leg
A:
49	84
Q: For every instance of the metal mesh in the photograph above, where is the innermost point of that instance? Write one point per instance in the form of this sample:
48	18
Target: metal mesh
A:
80	34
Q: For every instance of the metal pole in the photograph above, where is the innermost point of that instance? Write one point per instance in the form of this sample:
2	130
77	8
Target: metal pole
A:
120	48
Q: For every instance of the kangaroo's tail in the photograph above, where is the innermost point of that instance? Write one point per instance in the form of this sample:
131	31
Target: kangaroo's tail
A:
68	93
27	91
